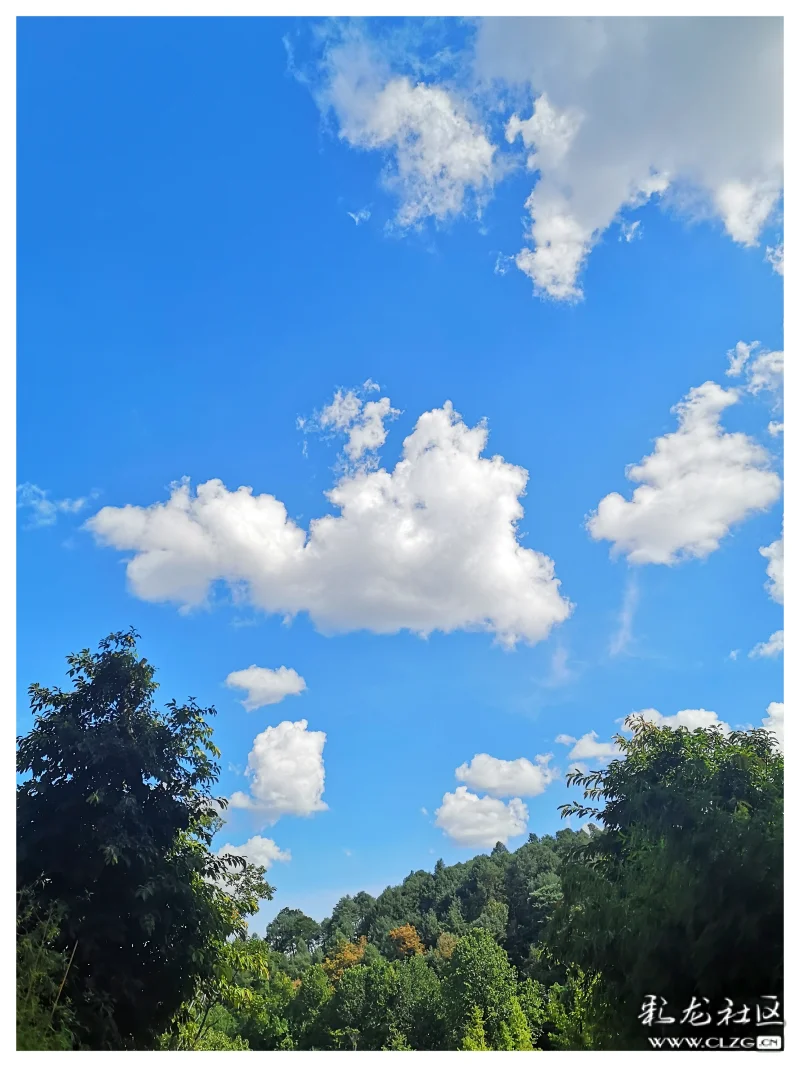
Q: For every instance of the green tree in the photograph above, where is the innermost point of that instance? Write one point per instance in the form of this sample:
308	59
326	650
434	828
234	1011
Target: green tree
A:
114	821
494	918
479	975
682	891
291	930
532	887
474	1039
306	1011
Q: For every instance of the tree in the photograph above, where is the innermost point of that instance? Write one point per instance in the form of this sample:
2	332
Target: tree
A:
474	1039
418	1009
345	954
306	1011
346	920
228	986
114	821
406	941
479	975
531	889
446	945
681	892
454	920
494	918
291	929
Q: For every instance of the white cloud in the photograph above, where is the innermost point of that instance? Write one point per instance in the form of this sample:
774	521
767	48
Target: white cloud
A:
286	771
629	231
259	850
621	640
362	422
507	778
697	483
691	719
342	410
774	722
368	433
775	428
738	357
733	654
480	822
774	553
617	110
265	686
620	100
768	649
745	206
765	371
438	158
43	510
589	748
362	215
431	545
774	256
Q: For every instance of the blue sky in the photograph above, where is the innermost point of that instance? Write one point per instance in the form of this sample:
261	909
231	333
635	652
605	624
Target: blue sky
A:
191	283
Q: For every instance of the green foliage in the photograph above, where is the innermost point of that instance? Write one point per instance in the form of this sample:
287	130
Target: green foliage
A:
494	918
114	823
306	1009
292	931
682	891
44	1018
479	975
474	1039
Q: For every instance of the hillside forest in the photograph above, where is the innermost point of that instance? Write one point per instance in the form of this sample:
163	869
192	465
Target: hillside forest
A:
665	907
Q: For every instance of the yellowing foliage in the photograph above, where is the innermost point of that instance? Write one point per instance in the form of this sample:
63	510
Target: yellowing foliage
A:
407	941
446	944
345	955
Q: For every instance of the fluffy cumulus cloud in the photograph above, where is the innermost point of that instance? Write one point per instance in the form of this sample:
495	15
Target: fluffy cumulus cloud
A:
480	822
265	686
362	421
690	719
761	368
589	748
627	109
431	545
697	483
438	158
42	509
774	722
507	778
259	850
774	554
286	772
768	649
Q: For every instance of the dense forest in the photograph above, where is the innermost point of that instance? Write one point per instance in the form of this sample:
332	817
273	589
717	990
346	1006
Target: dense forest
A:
132	933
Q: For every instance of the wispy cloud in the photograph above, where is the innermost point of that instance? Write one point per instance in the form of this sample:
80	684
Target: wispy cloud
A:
621	640
362	215
560	671
43	510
